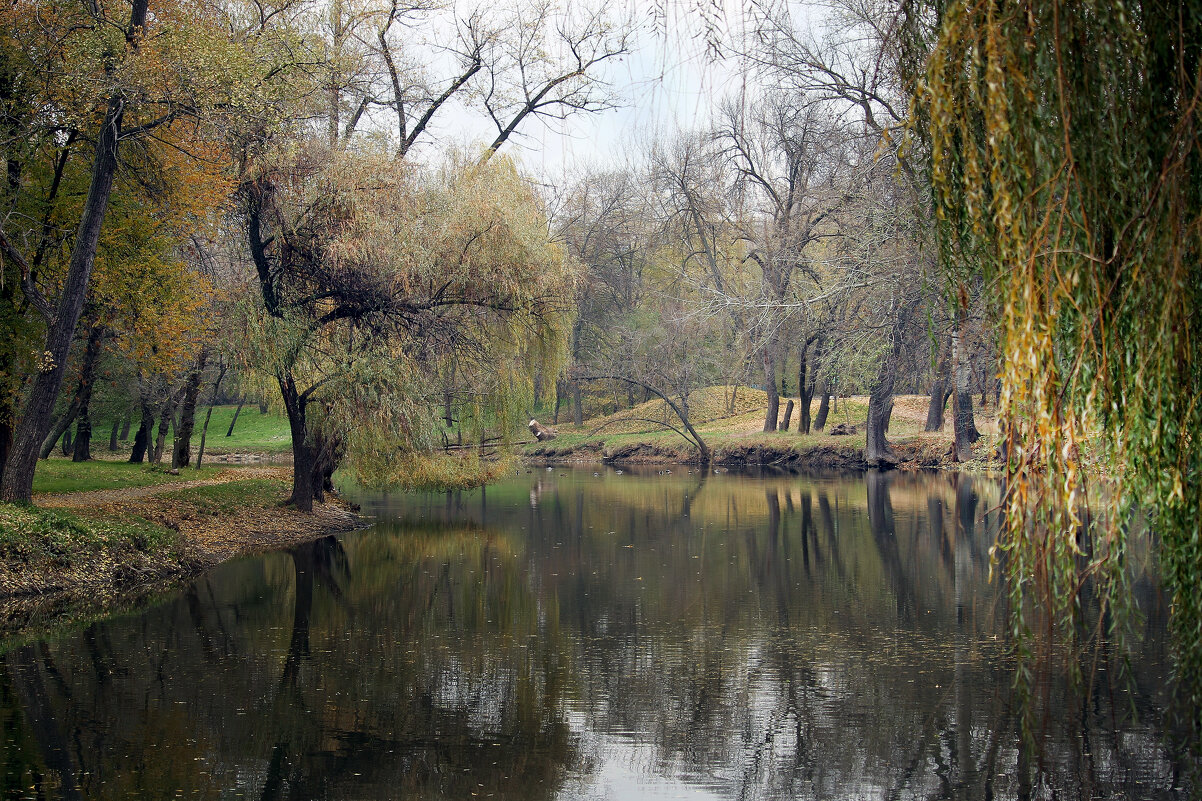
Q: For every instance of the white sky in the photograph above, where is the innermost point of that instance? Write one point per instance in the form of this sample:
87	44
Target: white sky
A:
667	82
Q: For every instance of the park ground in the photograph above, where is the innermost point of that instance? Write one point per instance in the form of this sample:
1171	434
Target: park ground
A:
734	433
106	533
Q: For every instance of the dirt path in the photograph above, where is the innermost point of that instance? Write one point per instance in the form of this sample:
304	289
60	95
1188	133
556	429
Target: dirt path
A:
106	497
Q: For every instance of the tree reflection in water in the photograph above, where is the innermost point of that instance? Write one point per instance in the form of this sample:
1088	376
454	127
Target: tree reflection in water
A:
570	635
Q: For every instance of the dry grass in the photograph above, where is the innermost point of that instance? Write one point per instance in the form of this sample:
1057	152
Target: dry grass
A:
620	434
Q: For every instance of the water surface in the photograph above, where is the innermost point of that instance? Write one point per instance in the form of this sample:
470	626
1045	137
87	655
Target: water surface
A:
596	634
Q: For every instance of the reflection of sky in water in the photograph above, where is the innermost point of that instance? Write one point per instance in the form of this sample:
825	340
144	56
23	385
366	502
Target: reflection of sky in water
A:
623	768
633	636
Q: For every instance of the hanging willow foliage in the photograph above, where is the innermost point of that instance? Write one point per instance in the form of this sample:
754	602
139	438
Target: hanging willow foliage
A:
1063	146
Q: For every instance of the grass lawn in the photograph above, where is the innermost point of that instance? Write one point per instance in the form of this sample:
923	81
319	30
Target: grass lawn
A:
31	536
230	498
253	433
63	475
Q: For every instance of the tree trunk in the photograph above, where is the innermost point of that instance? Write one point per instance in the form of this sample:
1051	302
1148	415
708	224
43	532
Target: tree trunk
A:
773	413
558	401
83	389
577	404
17	483
964	427
60	427
784	426
68	443
142	438
114	432
304	456
877	451
83	427
238	411
940	390
263	406
166	415
126	422
805	389
181	454
204	431
82	452
6	436
824	409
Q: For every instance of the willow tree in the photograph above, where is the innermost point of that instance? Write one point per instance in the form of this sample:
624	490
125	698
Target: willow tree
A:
1064	156
372	275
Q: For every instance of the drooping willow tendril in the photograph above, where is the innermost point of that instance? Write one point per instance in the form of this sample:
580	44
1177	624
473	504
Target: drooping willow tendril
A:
1063	145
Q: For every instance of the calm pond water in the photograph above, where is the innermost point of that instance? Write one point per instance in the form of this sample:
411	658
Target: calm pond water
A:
595	634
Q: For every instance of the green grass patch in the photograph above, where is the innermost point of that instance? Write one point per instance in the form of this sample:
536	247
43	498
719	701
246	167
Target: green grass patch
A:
253	433
63	475
230	498
52	537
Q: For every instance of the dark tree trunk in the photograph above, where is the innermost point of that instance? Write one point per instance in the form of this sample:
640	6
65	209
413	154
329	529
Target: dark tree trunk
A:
6	439
773	413
824	409
83	427
166	415
145	427
238	411
940	390
328	455
83	391
877	451
17	483
805	388
126	422
577	404
304	455
181	454
558	401
113	434
82	451
263	407
61	426
784	426
965	428
204	431
68	443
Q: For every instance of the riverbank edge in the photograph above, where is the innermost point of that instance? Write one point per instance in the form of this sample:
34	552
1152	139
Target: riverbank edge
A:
96	587
926	455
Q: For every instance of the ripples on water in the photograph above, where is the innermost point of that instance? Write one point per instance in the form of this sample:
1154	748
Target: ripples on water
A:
593	634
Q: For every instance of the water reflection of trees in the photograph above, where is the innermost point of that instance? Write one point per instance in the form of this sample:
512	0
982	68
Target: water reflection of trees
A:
774	638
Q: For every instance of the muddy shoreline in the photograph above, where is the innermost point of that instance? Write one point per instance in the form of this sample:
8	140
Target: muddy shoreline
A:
910	456
43	599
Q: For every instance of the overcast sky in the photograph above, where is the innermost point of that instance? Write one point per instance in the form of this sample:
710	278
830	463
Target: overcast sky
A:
667	82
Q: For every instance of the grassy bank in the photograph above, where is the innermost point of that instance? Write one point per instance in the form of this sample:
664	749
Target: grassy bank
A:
83	552
63	475
642	435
